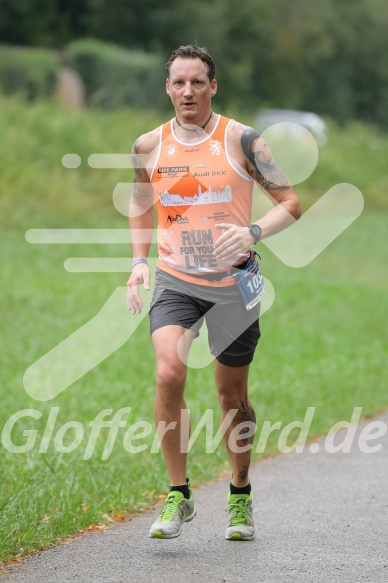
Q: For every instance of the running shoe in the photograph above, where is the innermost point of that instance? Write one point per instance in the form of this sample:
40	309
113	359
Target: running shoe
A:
176	510
240	525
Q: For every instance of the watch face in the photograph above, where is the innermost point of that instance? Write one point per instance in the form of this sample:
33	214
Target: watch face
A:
255	232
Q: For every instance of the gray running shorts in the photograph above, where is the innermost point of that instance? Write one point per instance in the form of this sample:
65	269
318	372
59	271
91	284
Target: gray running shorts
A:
233	331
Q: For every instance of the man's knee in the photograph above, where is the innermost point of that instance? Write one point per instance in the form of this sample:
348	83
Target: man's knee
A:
170	377
229	399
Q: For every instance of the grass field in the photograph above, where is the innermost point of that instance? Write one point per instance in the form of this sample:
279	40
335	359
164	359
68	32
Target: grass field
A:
323	341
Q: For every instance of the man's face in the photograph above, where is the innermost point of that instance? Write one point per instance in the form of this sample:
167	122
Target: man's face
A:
190	88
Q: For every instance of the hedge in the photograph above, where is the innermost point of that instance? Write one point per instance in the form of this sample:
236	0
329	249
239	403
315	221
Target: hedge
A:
29	72
116	77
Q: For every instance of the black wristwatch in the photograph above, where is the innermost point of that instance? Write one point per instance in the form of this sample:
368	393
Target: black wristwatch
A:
255	231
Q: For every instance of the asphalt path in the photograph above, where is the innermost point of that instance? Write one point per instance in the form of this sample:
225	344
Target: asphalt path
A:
320	517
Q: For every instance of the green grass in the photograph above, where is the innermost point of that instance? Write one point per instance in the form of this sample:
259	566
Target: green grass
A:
323	341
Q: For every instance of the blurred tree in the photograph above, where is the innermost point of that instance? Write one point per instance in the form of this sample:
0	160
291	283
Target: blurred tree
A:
45	23
327	56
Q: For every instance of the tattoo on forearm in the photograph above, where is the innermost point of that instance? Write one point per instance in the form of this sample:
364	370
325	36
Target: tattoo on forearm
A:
265	170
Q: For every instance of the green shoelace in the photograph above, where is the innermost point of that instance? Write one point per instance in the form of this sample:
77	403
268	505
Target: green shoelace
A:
240	512
171	505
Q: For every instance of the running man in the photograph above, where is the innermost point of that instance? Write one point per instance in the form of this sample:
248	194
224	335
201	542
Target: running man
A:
198	170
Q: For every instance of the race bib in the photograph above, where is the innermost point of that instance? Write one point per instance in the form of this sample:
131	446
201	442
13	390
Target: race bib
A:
251	284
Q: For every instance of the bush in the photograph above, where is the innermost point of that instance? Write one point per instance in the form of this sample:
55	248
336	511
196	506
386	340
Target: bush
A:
116	77
29	72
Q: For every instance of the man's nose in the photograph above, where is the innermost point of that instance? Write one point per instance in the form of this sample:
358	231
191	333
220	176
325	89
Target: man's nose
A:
188	89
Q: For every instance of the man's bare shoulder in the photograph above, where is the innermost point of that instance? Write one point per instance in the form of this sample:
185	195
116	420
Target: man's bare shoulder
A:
147	143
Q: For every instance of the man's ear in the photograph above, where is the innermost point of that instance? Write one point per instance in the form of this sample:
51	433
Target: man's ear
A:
213	86
168	86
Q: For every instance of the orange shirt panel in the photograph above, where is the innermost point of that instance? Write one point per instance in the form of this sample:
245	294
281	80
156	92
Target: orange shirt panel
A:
196	187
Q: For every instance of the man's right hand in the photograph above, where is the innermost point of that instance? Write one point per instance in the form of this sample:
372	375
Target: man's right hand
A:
140	274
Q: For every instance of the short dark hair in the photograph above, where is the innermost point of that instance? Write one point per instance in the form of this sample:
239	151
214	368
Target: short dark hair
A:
193	52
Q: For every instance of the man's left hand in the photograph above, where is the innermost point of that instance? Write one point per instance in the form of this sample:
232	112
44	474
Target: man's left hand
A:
233	243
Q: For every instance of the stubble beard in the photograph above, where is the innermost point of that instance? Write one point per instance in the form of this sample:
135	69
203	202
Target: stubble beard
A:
189	115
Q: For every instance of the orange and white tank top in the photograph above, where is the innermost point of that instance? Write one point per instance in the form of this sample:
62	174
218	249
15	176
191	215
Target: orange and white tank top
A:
197	186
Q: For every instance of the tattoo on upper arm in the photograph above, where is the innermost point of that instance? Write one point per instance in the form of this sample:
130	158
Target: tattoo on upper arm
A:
265	170
141	188
136	162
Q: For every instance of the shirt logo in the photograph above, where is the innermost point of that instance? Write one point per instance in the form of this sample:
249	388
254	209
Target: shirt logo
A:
177	219
172	169
215	147
171	151
202	197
